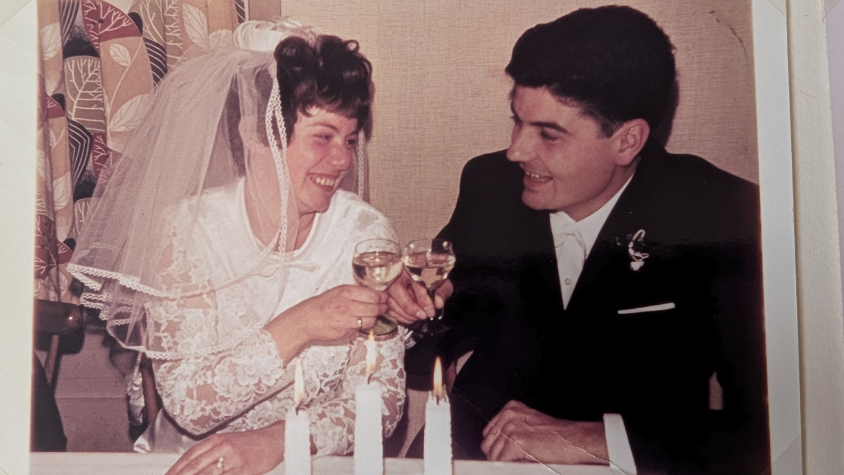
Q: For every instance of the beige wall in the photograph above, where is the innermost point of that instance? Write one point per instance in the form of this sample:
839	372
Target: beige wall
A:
441	91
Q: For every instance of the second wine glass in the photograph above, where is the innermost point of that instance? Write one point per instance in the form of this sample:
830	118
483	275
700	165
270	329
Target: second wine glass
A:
429	261
376	264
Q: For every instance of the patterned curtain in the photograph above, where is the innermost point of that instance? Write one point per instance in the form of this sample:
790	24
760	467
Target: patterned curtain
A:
98	70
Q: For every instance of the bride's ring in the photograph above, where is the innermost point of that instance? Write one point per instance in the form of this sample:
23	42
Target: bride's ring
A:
220	463
360	324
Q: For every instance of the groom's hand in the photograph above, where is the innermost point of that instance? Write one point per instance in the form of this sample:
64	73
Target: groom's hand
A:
409	302
519	433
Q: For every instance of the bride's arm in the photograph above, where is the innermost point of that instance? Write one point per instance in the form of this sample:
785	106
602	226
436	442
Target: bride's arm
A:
333	422
202	393
203	389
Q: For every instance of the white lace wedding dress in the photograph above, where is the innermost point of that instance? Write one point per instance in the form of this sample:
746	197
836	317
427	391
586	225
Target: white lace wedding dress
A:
248	386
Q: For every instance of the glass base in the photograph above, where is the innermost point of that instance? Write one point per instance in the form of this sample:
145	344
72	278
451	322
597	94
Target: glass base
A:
428	327
384	328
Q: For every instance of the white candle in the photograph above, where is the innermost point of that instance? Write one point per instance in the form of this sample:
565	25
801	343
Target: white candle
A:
369	443
438	428
297	431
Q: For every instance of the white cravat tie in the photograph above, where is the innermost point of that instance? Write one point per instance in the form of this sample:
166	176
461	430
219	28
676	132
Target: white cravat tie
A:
571	254
573	240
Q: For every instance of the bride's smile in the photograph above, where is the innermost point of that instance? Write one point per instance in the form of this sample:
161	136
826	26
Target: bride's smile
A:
321	151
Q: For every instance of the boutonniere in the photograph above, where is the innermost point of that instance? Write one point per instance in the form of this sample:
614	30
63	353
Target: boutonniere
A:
635	248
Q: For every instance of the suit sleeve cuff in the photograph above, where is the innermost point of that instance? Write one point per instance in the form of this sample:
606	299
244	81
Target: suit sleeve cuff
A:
618	446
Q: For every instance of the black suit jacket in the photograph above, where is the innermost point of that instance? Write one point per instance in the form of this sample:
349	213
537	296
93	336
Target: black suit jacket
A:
702	233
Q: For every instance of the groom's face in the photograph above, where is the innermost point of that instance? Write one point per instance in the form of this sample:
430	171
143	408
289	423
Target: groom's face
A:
569	163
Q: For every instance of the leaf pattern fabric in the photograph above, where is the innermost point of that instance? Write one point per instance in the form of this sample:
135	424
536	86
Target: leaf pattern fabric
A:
84	96
157	59
81	143
104	22
99	65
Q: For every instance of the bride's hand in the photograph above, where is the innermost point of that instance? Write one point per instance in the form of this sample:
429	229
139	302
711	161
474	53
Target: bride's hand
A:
333	316
339	313
253	452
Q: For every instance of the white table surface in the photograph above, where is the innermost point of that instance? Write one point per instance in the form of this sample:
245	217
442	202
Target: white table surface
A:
157	464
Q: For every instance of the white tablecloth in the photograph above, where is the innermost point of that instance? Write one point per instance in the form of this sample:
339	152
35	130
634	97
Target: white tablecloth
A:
157	464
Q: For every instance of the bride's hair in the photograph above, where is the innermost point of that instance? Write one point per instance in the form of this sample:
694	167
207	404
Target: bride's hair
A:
326	72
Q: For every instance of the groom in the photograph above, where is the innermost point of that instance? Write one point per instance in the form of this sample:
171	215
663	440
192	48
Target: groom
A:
598	274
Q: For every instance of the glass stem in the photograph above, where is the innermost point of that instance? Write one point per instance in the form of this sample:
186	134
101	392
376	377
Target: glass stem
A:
437	311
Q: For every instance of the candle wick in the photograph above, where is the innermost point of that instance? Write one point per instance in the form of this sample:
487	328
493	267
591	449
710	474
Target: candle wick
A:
368	379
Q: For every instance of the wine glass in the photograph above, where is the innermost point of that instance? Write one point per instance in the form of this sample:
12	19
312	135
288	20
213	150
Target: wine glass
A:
428	261
376	264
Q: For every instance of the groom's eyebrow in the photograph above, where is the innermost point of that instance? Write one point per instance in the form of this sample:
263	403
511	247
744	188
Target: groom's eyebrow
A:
540	124
550	125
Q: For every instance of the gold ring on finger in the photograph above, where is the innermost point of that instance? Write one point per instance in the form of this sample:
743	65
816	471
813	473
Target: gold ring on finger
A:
360	324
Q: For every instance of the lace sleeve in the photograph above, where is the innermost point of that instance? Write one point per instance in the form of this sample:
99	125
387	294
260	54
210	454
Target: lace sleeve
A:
202	390
203	393
333	422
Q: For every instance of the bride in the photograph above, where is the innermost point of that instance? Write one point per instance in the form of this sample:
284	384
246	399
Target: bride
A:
220	246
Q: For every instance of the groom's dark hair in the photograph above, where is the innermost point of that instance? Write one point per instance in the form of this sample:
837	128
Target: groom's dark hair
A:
614	62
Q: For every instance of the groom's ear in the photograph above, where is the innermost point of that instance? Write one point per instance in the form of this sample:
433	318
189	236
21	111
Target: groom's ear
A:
630	138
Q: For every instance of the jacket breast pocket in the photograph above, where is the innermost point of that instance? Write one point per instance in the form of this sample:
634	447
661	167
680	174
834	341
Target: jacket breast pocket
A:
662	307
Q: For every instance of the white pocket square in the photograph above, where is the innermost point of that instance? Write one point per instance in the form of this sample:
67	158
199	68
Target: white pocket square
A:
649	308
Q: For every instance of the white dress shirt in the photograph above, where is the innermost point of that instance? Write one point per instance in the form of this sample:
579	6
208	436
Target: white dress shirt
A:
573	240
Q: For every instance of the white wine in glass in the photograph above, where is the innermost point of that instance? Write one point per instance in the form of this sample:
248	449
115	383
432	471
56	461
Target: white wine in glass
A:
430	270
376	264
376	269
429	261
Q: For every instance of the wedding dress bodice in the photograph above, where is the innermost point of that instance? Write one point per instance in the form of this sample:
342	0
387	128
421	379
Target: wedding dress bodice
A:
248	385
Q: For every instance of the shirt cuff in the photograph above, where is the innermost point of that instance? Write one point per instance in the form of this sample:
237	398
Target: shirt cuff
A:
618	446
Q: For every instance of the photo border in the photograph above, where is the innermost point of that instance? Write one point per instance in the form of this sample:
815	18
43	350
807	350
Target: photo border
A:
18	75
819	289
17	185
779	274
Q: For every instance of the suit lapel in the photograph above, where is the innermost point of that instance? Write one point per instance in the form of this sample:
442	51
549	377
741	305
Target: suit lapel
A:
540	281
609	255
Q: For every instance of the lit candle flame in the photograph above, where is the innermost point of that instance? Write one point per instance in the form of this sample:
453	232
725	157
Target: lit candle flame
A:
298	385
438	379
370	354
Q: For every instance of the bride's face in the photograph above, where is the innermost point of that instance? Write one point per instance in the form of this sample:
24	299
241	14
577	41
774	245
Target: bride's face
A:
319	154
